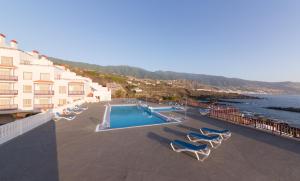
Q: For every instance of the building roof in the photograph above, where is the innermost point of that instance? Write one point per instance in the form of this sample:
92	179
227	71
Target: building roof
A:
146	153
2	35
14	41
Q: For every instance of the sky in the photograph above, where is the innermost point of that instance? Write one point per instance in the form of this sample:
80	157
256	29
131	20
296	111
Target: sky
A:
248	39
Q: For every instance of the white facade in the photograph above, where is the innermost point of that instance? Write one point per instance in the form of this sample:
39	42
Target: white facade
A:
30	82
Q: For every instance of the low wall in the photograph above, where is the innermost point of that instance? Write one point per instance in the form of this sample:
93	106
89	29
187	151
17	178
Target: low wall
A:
21	126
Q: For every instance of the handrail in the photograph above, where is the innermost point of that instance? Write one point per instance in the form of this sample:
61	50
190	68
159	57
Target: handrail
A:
43	106
8	92
106	118
8	107
43	92
233	115
76	92
9	77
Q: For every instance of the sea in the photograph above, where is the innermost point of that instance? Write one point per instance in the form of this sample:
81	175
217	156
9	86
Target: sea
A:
258	106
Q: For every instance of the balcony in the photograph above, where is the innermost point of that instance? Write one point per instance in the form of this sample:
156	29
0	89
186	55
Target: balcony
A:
76	92
8	107
43	106
43	92
9	77
8	92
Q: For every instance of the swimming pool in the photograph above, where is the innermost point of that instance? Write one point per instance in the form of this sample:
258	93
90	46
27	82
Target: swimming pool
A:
134	116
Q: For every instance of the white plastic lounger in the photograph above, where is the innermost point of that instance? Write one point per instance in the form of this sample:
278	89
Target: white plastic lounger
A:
66	112
77	107
74	111
59	116
181	146
195	137
225	134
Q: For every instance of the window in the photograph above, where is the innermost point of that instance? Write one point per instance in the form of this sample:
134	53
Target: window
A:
27	75
27	88
62	102
43	87
45	101
57	77
5	86
25	62
76	87
27	102
7	61
45	76
5	72
62	89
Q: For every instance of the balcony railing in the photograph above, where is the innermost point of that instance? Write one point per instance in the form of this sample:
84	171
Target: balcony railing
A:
9	77
43	106
43	92
8	92
76	92
8	107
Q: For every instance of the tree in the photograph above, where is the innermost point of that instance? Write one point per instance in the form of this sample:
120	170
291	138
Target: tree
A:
119	94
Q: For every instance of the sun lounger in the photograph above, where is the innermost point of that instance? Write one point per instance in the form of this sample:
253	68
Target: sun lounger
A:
204	112
225	134
181	146
74	111
80	107
195	137
66	112
58	116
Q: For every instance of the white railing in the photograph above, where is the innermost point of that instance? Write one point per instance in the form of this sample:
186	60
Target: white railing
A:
21	126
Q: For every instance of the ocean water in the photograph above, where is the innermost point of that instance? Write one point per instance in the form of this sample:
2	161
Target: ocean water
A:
258	106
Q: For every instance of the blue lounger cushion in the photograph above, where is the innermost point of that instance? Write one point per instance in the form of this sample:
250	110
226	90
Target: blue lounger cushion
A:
205	137
190	146
216	131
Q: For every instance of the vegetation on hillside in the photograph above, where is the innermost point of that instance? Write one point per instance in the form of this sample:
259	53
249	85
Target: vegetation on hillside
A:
214	81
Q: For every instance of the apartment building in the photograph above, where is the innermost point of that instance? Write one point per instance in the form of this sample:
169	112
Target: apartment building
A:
30	82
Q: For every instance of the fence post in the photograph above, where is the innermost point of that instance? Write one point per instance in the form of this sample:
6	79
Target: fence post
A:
20	123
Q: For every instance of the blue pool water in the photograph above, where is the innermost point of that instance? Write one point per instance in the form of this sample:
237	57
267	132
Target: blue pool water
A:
131	116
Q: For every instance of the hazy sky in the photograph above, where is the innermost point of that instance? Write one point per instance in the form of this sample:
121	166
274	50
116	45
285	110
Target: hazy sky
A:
250	39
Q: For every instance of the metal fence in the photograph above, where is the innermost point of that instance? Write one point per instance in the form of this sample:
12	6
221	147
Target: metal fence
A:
233	115
124	101
21	126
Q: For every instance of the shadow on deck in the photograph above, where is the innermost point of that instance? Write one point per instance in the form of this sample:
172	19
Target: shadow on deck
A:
258	135
32	156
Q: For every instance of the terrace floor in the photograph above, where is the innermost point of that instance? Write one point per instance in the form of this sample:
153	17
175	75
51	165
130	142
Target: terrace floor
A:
66	150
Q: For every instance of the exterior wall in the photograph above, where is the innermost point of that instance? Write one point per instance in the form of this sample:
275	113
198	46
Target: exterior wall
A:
20	98
101	93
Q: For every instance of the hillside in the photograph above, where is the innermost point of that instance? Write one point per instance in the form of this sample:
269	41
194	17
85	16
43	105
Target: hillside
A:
214	81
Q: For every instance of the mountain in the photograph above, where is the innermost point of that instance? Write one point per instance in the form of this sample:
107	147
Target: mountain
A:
215	81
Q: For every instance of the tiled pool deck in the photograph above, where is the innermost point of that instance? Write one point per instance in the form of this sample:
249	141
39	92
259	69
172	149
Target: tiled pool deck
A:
73	151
